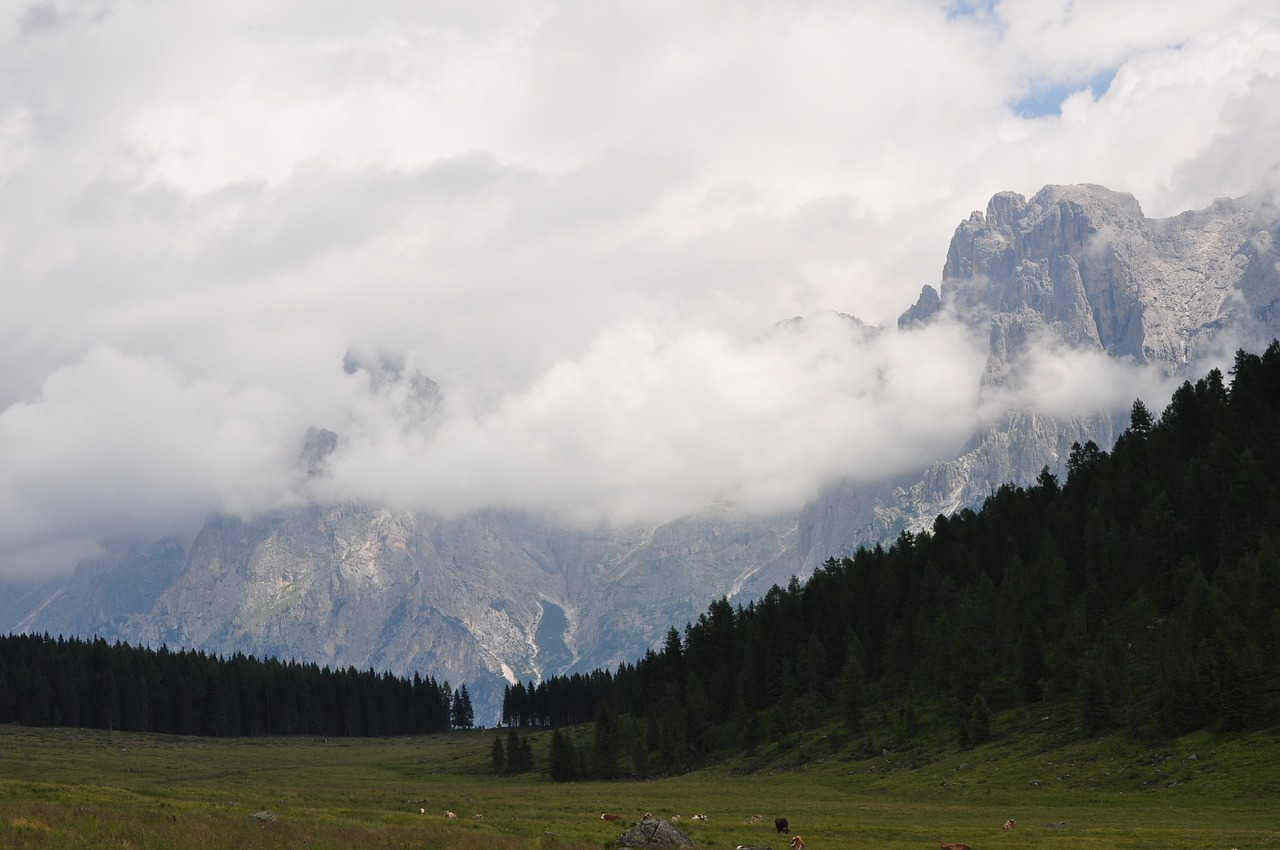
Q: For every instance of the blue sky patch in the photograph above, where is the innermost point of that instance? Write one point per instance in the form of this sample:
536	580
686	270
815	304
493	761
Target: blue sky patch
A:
970	9
1047	100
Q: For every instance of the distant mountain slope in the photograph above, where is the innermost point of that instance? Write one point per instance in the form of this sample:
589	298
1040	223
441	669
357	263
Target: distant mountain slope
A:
494	597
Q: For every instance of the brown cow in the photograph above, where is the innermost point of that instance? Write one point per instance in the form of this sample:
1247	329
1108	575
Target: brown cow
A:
610	817
450	815
797	843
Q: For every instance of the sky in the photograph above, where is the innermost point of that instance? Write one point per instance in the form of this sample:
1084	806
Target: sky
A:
535	255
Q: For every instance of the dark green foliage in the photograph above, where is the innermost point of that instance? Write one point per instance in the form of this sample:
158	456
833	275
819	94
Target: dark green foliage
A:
461	714
853	693
498	755
562	761
979	720
606	743
519	753
48	681
1032	667
1140	420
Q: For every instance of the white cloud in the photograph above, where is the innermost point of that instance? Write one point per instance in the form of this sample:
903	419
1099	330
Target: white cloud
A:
124	444
644	426
580	219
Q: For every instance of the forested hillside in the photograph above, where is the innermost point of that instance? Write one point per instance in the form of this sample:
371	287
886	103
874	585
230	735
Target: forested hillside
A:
1145	588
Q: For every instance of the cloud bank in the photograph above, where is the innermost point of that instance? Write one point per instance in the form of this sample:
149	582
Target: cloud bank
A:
582	222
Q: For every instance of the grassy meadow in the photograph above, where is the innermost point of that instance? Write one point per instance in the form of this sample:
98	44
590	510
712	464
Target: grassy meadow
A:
71	788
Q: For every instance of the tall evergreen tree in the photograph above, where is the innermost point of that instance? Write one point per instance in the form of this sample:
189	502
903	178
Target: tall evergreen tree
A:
562	761
498	756
606	743
852	696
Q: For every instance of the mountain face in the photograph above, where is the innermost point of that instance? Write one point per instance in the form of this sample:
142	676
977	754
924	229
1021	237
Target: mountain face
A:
495	597
486	599
1084	264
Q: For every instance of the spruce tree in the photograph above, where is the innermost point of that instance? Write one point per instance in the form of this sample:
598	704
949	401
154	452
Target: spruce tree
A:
562	761
852	693
1032	668
515	753
498	755
606	741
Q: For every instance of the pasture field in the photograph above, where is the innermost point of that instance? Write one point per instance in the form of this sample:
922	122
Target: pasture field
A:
72	788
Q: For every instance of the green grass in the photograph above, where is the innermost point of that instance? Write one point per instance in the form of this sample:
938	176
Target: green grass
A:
69	788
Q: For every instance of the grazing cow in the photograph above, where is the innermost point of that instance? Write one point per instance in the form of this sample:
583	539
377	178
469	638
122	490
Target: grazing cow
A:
797	843
450	815
610	817
955	847
781	825
699	817
756	819
1010	823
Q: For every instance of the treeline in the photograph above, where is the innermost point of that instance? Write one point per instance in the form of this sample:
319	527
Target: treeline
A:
71	682
1145	590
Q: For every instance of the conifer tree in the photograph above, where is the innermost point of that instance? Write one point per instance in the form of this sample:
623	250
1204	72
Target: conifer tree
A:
461	715
1032	668
852	693
562	761
498	755
606	742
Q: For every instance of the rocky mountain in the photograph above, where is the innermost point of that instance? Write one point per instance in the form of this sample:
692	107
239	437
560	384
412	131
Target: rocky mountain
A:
493	597
1084	265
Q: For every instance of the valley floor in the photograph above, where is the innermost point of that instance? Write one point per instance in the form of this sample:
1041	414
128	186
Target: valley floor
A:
69	788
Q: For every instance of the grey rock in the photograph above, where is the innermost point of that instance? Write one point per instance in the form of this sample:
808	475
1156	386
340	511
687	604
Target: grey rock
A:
317	446
928	305
651	833
1084	262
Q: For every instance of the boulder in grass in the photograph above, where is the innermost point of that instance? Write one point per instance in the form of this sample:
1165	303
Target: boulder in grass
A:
652	833
265	817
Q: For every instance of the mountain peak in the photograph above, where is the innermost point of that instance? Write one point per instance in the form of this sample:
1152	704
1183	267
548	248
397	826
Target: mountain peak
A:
1083	262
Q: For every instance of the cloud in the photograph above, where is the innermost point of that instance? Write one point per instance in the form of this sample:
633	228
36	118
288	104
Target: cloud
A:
38	18
578	220
120	445
1066	382
645	426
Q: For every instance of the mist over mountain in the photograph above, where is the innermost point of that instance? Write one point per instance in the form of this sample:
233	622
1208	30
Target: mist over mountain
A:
1059	311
